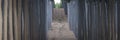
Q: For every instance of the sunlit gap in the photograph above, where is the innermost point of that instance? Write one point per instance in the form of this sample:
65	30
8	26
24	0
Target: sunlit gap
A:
57	1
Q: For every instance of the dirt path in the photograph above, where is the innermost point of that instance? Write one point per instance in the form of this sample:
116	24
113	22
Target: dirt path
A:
60	31
60	28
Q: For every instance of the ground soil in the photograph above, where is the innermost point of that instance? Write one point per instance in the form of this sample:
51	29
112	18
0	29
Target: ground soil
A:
60	27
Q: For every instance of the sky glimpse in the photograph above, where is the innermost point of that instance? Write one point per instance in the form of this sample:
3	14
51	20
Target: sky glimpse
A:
57	1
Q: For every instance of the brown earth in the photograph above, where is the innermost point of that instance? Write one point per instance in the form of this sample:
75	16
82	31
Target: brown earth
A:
60	27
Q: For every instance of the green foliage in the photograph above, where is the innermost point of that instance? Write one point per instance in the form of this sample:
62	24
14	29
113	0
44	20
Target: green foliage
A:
58	5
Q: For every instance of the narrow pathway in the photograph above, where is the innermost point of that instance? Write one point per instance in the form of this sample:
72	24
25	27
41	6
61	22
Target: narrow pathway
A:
60	29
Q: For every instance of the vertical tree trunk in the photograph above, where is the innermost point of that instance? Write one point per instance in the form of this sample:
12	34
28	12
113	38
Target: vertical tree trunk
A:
1	20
